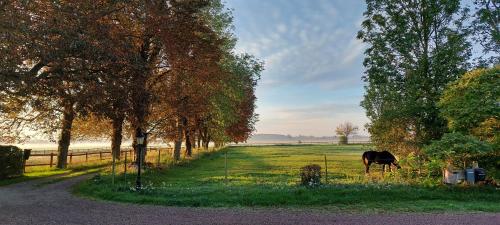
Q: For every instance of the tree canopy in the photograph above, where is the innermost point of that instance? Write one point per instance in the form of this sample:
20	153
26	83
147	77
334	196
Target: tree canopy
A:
346	129
414	49
486	30
166	67
470	104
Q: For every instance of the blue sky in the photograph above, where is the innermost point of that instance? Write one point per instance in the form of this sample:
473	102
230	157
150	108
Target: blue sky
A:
313	62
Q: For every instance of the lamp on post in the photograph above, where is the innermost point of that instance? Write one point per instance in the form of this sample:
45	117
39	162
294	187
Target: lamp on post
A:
140	141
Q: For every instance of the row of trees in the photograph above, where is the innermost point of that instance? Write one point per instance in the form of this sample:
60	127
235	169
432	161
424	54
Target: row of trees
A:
417	48
102	68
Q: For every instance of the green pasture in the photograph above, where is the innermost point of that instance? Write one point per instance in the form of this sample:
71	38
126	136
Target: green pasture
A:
267	176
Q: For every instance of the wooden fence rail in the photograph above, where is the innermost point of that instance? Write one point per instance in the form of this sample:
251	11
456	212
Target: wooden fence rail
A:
103	154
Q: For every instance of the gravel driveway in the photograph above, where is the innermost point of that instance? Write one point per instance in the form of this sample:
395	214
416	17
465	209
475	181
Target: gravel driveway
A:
26	203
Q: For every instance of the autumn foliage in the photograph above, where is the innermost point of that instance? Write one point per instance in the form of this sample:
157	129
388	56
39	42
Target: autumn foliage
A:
166	67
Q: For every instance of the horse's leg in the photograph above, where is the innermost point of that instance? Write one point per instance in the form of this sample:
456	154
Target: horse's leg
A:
367	167
390	168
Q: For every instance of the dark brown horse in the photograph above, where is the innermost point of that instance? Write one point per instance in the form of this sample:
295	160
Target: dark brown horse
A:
384	158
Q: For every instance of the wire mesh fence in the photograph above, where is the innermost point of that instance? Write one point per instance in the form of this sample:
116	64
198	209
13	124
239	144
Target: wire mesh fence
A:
249	165
243	165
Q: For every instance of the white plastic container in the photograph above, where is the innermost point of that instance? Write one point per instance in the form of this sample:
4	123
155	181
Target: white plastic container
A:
453	176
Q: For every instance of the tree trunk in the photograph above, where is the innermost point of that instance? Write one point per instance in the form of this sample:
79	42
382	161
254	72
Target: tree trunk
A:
189	148
177	150
205	145
199	138
141	101
187	133
116	139
65	138
206	142
178	142
193	139
205	138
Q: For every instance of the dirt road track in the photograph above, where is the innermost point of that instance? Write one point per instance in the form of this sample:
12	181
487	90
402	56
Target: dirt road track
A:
27	203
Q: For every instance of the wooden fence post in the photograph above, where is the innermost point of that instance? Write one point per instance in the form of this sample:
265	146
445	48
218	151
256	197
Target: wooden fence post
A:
125	167
86	156
24	160
113	169
159	155
51	158
326	171
225	166
70	157
100	155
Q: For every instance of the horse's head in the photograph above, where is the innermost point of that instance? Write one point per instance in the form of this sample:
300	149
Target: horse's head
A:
396	164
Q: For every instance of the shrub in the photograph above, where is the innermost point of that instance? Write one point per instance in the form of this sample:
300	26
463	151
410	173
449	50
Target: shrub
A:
412	164
434	167
491	162
418	166
310	175
11	161
470	104
342	140
458	149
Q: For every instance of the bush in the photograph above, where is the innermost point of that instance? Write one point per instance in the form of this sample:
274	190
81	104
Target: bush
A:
310	175
418	167
470	104
491	162
458	149
11	161
342	140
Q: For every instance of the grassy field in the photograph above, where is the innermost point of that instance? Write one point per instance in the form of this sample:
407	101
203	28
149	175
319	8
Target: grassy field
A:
268	176
46	171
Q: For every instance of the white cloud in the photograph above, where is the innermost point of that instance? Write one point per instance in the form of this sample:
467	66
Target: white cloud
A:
307	47
310	48
281	28
353	51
